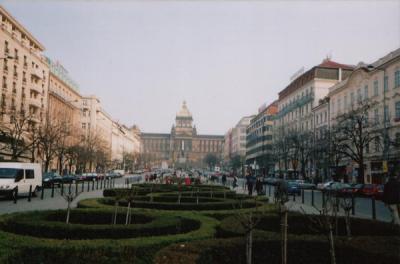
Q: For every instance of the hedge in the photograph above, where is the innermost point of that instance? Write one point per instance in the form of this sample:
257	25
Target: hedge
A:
267	249
300	224
19	249
34	224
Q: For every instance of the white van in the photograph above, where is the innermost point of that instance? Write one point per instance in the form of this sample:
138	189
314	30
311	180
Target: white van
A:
21	175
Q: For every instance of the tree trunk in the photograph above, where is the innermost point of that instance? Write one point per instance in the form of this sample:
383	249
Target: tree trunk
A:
249	245
332	245
115	212
284	234
128	213
68	211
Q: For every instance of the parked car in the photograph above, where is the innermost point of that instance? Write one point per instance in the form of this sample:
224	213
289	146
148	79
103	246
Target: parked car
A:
352	189
21	176
379	193
293	188
369	189
51	178
69	178
306	185
324	185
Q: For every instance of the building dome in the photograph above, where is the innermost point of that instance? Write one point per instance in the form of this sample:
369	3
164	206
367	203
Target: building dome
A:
184	112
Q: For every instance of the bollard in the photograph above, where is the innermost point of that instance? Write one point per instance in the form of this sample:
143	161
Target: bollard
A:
323	199
93	185
62	188
302	196
312	197
113	181
97	184
126	182
101	184
269	190
294	197
88	186
353	205
373	208
83	186
52	190
16	195
69	188
42	194
76	188
30	193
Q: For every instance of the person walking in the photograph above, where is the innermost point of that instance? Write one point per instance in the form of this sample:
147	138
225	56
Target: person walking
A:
234	183
391	197
250	184
259	186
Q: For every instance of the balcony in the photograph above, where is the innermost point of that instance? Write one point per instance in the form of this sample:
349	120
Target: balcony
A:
35	102
6	52
25	66
37	73
5	69
36	88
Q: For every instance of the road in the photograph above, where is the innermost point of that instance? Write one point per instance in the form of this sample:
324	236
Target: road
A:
362	206
58	202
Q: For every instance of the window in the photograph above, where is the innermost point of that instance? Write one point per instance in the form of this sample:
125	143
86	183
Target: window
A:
29	174
84	125
345	103
377	144
385	84
359	95
352	98
397	79
376	113
376	88
386	113
339	105
397	109
365	92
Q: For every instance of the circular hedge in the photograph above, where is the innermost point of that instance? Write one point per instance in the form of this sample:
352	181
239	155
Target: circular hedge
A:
91	224
302	225
19	246
267	249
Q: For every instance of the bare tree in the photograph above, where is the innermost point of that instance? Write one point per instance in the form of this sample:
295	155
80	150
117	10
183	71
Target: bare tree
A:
16	132
326	221
249	221
355	133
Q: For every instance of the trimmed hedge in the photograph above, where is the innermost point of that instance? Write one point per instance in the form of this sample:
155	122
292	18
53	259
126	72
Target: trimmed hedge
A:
267	249
300	224
19	249
35	224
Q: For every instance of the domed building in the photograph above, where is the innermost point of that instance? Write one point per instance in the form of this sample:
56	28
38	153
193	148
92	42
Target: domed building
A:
183	147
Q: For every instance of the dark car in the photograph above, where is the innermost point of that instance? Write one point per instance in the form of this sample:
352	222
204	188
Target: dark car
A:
369	189
352	189
51	178
69	178
293	188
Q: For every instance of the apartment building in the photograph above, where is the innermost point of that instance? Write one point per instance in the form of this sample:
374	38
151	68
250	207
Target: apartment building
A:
259	141
376	86
296	102
23	74
124	141
239	136
227	153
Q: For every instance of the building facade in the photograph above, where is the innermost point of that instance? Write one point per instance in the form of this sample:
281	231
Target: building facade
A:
24	76
294	124
183	147
259	141
376	87
239	136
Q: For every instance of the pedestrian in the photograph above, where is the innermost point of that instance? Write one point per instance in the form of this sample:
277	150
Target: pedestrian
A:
234	183
223	179
259	186
249	179
187	180
391	197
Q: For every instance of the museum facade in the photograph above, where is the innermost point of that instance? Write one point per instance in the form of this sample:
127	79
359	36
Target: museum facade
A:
183	147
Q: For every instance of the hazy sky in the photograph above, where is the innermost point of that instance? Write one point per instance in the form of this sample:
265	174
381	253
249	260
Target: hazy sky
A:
142	59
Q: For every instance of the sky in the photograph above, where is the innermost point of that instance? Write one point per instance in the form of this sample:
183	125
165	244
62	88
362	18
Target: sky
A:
225	58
